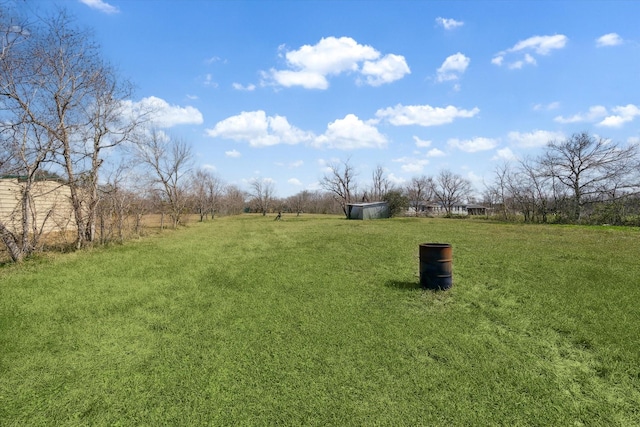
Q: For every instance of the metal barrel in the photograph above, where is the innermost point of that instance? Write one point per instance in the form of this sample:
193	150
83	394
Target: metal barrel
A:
436	266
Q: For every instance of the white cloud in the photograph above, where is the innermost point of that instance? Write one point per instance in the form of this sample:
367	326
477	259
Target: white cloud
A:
211	60
350	133
540	45
420	143
505	154
331	55
595	113
397	180
423	115
624	114
309	66
548	107
516	65
435	152
611	39
232	153
314	186
634	140
295	181
208	81
449	24
247	88
453	67
288	78
411	164
473	145
385	70
296	164
476	180
269	180
528	59
246	126
259	130
537	138
101	5
161	114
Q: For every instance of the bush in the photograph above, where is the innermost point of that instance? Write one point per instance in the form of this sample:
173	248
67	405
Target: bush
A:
397	202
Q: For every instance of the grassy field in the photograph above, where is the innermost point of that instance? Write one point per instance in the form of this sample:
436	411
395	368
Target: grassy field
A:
320	321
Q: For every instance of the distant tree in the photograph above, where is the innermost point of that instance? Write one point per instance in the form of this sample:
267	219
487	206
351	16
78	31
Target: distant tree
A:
300	201
540	189
115	206
588	167
397	202
233	200
167	161
262	193
521	193
419	190
206	192
499	189
450	189
340	182
380	184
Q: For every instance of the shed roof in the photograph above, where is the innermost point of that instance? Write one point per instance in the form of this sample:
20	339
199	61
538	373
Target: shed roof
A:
367	204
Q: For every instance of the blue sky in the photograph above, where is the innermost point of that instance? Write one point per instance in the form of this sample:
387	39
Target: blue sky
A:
276	90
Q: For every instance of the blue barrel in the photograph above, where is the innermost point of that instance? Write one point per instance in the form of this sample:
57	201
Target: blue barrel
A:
436	266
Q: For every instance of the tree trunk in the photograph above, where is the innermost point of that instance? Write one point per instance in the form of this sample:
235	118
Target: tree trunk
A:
16	254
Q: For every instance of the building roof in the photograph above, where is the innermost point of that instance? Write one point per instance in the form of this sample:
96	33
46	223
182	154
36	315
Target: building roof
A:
364	204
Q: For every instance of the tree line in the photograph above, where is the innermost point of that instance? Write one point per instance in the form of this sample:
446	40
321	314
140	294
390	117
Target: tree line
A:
64	111
582	179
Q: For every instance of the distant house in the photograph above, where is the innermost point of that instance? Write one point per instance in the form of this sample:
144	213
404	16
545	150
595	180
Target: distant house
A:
437	208
373	210
476	210
51	208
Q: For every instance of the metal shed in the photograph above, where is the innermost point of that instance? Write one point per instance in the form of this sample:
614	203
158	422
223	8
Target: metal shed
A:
373	210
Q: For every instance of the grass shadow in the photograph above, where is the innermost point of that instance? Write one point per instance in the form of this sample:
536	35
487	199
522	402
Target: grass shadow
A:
403	285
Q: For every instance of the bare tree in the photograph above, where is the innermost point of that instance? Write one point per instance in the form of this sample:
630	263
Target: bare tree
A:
381	184
589	166
58	83
450	188
27	148
168	161
299	202
109	125
207	190
233	200
339	181
540	189
521	194
500	188
419	191
117	205
262	193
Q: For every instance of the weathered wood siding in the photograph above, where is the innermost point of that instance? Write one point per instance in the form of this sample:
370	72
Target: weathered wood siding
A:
50	203
373	210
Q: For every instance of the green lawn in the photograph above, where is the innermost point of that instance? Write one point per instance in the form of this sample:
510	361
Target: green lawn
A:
320	321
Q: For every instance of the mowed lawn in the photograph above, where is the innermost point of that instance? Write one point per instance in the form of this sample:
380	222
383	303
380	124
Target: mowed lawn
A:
315	320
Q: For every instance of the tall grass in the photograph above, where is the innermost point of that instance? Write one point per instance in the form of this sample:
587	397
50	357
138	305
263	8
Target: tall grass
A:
320	321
